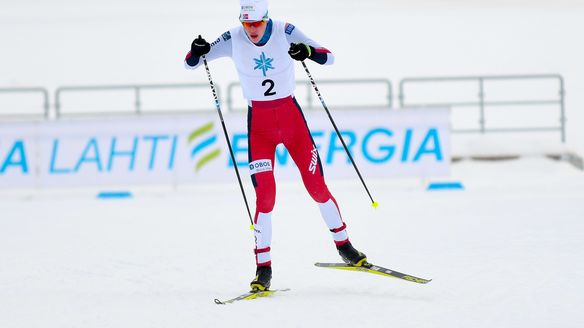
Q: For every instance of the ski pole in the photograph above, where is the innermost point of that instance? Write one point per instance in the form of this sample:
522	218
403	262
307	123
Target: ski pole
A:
227	139
373	202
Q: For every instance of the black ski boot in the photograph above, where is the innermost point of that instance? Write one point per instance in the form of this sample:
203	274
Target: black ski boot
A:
262	279
352	256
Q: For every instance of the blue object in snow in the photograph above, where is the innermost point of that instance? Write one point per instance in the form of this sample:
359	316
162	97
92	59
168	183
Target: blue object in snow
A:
445	186
114	194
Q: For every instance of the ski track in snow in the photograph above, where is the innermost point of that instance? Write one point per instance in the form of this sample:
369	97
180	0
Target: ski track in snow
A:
505	252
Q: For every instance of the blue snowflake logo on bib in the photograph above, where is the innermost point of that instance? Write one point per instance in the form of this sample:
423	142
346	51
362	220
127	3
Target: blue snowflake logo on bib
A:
263	63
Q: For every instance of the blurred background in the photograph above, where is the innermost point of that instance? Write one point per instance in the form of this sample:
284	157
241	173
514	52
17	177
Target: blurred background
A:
72	43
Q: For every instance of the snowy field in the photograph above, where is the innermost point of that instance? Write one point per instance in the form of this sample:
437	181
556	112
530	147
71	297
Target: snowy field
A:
506	252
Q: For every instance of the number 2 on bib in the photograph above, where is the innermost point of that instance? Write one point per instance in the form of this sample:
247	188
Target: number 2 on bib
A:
269	92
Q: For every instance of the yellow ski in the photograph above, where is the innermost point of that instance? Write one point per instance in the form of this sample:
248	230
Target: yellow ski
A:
374	269
251	295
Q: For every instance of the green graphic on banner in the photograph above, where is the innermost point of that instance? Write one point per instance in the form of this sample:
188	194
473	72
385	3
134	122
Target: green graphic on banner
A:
203	141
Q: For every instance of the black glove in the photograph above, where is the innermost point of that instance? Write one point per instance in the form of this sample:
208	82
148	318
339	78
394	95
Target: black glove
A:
300	51
200	47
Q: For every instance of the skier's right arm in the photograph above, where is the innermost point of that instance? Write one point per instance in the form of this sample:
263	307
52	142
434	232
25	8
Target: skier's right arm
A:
219	48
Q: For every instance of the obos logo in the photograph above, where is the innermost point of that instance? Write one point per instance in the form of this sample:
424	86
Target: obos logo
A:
202	139
261	165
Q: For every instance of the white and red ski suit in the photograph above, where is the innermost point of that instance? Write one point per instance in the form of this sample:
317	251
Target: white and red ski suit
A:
266	72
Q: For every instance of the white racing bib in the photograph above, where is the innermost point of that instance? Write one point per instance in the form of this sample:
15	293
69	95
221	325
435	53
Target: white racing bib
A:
266	72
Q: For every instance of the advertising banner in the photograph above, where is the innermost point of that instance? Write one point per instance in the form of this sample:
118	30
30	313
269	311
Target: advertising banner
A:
186	149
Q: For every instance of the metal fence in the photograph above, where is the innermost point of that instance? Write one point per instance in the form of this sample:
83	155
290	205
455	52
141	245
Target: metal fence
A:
384	97
482	102
137	91
309	97
45	107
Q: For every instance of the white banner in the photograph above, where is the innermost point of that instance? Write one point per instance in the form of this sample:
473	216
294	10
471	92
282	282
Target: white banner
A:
189	149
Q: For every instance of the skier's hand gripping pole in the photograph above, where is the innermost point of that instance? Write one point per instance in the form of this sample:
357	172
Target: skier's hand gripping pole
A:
218	106
374	204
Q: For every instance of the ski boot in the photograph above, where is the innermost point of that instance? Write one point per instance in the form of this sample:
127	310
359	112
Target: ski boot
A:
352	256
262	280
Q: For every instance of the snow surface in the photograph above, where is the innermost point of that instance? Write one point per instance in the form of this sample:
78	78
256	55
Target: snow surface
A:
505	252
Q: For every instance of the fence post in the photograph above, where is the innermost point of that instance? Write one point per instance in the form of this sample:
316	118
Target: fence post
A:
482	104
562	109
229	100
308	95
401	93
389	94
46	103
137	102
58	103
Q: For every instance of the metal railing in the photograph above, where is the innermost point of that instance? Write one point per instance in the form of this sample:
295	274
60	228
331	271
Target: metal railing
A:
482	103
477	83
37	90
309	97
137	90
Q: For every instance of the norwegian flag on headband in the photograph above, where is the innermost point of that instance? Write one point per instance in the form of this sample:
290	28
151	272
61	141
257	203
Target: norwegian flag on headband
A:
253	10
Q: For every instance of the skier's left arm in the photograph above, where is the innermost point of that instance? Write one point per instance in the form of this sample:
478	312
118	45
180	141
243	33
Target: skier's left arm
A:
303	47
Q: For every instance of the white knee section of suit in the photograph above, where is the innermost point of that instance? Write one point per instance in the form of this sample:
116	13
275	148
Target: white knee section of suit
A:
263	235
332	217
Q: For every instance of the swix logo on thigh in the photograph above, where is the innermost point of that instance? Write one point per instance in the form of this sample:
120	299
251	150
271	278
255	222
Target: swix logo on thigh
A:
313	160
261	165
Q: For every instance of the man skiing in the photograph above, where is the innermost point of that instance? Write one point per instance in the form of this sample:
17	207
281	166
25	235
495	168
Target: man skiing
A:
263	51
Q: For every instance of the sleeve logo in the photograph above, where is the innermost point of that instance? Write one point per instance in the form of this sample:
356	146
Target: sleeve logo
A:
289	28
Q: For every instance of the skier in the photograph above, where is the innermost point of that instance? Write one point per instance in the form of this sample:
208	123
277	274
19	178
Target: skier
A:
262	50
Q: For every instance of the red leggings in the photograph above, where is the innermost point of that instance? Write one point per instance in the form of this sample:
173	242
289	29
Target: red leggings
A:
282	121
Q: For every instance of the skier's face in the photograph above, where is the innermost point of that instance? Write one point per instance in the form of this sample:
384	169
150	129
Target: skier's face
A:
255	30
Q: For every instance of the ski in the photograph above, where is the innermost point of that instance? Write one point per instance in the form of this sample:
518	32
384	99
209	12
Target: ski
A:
374	269
251	295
